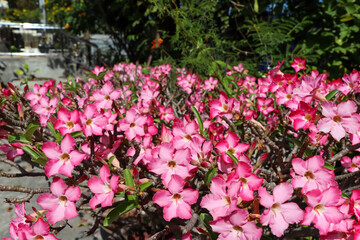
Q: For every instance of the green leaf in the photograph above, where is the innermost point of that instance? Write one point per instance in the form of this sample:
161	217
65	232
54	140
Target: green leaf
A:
331	94
198	117
31	129
56	133
328	166
118	211
111	159
19	72
35	155
18	138
233	158
256	6
144	186
128	178
76	134
345	195
209	175
206	218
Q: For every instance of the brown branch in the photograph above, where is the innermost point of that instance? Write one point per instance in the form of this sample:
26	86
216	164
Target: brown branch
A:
20	200
232	126
23	189
27	174
343	152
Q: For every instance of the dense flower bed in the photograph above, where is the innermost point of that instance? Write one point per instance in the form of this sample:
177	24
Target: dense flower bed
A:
237	157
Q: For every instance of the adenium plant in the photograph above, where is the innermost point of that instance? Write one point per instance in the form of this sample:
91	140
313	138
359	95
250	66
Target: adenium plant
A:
229	156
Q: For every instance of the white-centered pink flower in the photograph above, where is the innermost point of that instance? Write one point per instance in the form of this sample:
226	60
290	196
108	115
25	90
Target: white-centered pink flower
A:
63	158
339	119
177	200
236	227
67	121
278	214
103	188
92	121
60	204
105	96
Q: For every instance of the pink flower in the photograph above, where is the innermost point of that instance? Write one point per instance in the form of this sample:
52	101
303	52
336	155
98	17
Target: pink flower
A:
98	70
351	83
236	227
171	162
303	117
45	108
103	189
63	159
221	106
13	150
278	214
219	203
187	136
40	230
231	144
176	202
298	64
210	84
355	202
105	96
36	95
67	122
265	106
166	114
93	122
339	119
311	174
352	165
60	204
133	124
243	182
322	209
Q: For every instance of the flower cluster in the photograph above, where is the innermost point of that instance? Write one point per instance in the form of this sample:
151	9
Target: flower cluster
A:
248	157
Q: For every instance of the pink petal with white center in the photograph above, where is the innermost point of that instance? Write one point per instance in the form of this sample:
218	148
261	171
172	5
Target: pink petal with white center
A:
41	227
63	115
239	217
351	124
68	143
182	156
266	199
338	132
325	125
73	193
170	211
96	185
232	139
315	163
58	186
166	151
329	109
47	201
176	184
221	226
104	173
162	198
218	186
346	108
70	211
108	201
322	224
76	157
51	150
94	201
52	167
333	215
66	169
299	166
183	211
56	214
190	196
114	183
223	146
292	213
299	182
278	225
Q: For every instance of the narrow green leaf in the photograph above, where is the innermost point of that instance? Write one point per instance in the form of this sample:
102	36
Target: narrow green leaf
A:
35	155
328	166
31	129
331	94
76	134
206	218
118	211
198	117
209	175
256	6
111	159
128	178
56	133
18	138
144	186
233	158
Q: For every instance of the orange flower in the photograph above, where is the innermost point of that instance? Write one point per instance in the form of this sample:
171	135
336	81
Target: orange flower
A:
156	43
67	26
